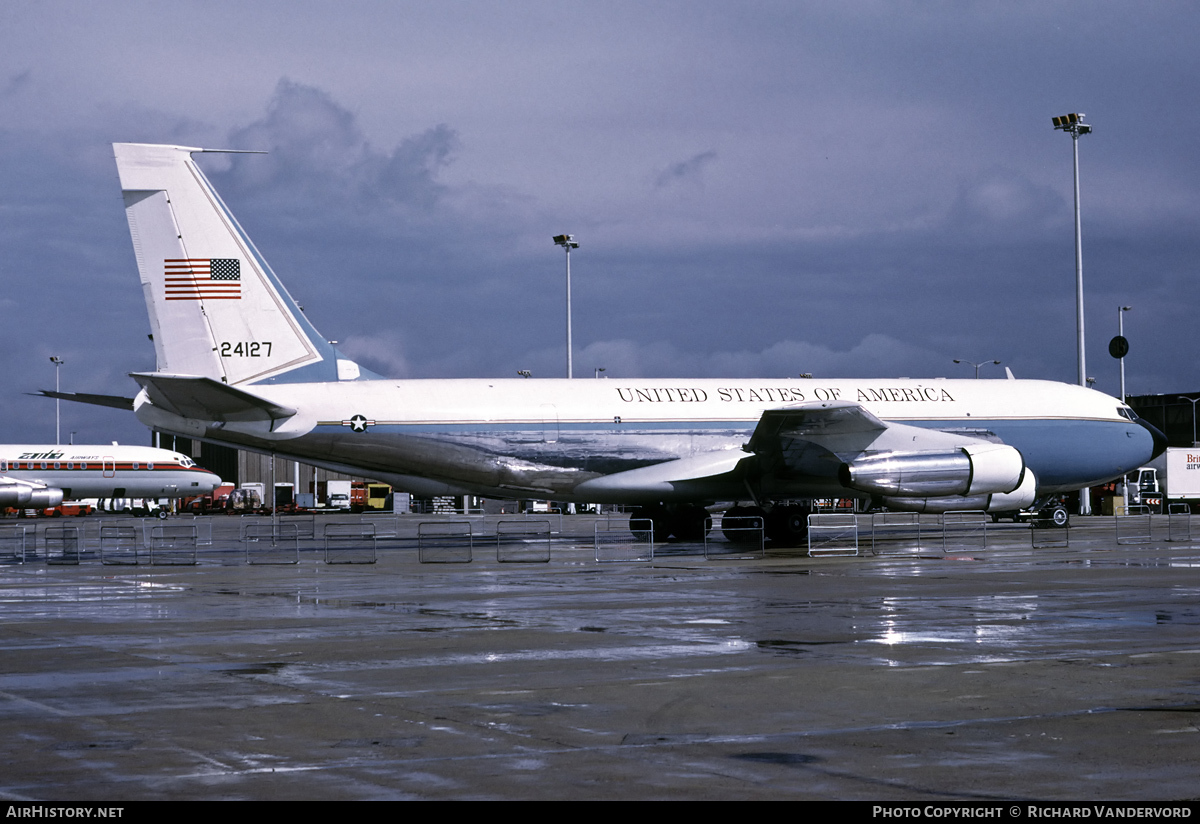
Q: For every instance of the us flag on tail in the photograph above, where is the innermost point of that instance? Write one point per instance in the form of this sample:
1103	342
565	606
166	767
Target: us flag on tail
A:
202	278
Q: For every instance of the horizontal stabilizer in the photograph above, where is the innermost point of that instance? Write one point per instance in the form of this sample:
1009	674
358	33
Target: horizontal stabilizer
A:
115	401
206	399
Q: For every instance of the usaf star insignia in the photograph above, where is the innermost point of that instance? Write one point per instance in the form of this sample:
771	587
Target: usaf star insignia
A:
358	423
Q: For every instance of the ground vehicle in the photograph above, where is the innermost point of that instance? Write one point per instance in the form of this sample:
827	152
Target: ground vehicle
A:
1171	478
378	496
76	509
1052	511
346	495
245	499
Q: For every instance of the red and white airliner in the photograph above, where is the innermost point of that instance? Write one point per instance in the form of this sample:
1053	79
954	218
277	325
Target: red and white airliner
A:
37	477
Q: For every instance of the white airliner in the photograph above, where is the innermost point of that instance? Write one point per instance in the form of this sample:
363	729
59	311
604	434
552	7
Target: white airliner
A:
36	477
239	364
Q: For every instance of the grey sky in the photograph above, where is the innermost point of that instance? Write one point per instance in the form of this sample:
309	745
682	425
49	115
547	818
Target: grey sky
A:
847	189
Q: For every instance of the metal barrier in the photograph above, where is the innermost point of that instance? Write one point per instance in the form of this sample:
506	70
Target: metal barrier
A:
1138	527
895	532
618	540
350	543
441	542
831	534
12	544
1044	533
962	530
387	524
173	545
748	535
119	544
267	545
1179	522
554	516
62	544
303	526
522	542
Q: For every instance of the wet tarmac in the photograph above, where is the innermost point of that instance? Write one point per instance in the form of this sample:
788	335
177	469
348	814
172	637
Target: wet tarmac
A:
969	673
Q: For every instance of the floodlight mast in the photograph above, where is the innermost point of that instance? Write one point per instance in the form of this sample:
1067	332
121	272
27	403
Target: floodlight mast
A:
568	243
58	362
1073	124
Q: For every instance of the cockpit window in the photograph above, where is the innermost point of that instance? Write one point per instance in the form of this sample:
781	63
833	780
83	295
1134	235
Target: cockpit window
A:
1127	413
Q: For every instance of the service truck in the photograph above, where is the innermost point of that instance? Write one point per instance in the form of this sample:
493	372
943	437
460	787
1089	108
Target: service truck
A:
1173	478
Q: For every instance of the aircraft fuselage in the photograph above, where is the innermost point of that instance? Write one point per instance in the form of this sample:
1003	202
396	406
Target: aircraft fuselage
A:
548	438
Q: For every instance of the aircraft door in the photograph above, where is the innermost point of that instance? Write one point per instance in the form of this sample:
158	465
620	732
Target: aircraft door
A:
549	423
108	467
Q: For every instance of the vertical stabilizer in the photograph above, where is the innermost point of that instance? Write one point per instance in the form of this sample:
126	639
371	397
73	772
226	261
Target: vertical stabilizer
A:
216	308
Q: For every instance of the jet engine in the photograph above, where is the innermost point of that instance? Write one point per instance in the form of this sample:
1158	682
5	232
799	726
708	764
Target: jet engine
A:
972	470
28	496
1020	498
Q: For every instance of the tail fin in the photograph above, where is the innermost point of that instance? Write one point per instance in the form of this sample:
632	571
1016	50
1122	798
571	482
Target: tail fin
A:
216	308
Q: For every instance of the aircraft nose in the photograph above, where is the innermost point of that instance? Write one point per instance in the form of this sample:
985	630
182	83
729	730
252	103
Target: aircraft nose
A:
1160	440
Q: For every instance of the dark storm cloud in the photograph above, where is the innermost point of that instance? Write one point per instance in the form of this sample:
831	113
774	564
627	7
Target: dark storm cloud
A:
685	171
318	154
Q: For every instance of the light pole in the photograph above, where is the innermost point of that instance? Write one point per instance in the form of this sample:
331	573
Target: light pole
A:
598	370
1121	310
57	361
568	243
977	365
1073	124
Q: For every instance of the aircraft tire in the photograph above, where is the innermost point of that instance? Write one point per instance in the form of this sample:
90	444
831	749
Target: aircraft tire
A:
657	516
690	523
788	525
741	524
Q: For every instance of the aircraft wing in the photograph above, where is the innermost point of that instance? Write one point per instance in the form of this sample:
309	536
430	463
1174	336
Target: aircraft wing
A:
206	399
843	441
834	422
848	429
807	443
114	401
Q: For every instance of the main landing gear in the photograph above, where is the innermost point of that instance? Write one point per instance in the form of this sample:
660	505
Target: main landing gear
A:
684	523
782	524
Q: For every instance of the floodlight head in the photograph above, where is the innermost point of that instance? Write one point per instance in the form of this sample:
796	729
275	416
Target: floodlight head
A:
1072	123
566	241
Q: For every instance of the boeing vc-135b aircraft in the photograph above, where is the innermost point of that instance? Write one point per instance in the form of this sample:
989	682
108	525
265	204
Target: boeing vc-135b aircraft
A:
239	364
37	477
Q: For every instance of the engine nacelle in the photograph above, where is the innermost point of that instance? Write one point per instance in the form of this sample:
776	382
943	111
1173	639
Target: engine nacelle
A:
28	496
42	498
15	494
972	470
1020	498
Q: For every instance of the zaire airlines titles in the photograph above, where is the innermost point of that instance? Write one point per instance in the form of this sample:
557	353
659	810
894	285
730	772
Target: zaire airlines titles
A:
785	394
